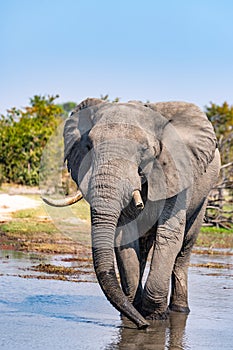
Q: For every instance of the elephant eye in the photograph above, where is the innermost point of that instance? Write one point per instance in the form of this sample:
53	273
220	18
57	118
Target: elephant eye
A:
140	173
88	146
86	142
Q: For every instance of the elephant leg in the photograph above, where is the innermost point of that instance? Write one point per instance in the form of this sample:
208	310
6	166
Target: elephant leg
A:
145	244
127	257
168	242
179	289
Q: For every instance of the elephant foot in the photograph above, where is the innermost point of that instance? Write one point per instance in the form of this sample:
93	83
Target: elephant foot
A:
179	308
152	310
156	315
160	317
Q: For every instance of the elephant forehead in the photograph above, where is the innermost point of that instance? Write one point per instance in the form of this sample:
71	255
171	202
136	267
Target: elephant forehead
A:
114	130
130	113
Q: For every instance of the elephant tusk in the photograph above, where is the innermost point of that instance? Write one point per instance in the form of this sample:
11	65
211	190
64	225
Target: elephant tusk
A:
138	199
64	201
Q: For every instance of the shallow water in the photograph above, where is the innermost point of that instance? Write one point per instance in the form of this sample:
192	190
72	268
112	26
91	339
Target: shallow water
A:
49	314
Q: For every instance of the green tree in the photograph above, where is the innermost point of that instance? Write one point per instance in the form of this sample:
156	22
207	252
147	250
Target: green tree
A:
220	202
23	135
221	117
68	107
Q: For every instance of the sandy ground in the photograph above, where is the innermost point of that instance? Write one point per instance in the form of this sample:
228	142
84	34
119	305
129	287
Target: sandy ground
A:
12	203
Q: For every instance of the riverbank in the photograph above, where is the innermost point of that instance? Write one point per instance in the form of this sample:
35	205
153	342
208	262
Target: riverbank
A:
27	224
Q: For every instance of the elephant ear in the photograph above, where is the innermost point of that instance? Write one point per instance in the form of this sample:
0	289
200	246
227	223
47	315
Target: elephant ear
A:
79	123
187	146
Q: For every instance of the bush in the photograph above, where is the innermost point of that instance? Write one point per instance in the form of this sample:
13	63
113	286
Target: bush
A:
23	136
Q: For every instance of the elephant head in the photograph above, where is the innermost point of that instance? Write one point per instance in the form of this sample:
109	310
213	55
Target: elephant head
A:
115	151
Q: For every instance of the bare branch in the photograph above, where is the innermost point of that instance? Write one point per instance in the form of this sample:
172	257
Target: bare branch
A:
226	165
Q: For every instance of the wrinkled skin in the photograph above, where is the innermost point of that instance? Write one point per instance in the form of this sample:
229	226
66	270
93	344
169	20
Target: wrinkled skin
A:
168	152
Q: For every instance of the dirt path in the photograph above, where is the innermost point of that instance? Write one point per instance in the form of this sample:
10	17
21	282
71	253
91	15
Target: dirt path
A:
12	203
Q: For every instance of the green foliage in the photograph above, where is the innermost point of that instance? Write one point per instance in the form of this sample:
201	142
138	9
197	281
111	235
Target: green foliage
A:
220	209
106	98
222	120
23	135
221	117
67	107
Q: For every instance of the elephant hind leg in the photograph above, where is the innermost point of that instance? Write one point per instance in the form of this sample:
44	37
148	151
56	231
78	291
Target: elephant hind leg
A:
179	289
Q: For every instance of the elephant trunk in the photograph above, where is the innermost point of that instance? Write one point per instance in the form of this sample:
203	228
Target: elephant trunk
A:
103	258
105	212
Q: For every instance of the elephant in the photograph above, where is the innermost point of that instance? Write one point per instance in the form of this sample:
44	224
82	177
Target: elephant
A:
146	170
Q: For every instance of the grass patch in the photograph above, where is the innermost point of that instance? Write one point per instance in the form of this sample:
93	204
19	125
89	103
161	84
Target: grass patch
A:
33	230
28	227
205	229
212	237
29	213
82	210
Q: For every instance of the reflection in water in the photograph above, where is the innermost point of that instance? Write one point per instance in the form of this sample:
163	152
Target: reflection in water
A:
169	334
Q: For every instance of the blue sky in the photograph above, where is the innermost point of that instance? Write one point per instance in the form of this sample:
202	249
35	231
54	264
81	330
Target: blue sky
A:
145	50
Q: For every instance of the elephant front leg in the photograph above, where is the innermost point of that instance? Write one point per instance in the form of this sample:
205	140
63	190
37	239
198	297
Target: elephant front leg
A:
169	238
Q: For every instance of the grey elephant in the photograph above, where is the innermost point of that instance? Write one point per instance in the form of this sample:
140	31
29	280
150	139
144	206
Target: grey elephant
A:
146	171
